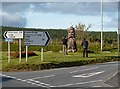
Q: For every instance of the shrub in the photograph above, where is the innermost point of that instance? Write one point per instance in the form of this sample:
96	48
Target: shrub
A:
23	54
49	65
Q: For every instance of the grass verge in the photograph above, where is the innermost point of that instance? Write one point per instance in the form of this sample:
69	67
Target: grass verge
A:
56	60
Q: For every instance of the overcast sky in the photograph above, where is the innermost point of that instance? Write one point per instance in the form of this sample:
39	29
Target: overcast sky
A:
59	15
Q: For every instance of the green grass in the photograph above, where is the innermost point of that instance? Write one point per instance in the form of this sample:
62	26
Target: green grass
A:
53	57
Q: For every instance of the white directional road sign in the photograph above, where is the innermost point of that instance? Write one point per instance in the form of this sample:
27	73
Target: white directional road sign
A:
36	38
13	34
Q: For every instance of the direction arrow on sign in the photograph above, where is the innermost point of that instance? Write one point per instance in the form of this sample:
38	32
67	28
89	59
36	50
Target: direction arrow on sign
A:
13	34
36	38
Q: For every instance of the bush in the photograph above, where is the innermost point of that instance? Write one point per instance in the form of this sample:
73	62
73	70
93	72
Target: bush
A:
49	65
23	54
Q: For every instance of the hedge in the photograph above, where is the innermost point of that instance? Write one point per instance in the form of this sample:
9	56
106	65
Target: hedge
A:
50	65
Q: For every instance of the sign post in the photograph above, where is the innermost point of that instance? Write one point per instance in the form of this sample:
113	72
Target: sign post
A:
42	54
101	25
8	40
118	44
36	38
9	35
8	52
19	50
118	33
26	53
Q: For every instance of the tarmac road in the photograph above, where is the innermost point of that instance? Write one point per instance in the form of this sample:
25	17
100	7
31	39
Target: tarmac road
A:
97	75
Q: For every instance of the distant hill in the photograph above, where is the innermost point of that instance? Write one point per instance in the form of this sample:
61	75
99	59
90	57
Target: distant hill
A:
94	38
54	33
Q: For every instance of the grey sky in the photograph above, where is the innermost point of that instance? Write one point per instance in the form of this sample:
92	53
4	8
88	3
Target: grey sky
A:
17	10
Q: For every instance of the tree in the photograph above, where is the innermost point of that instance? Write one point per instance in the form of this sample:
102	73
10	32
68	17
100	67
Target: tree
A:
81	31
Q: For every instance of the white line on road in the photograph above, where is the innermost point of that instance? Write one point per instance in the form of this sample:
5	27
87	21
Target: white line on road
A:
79	83
88	74
65	85
75	71
48	76
84	70
24	81
89	82
94	67
90	69
7	76
39	82
96	86
110	78
41	77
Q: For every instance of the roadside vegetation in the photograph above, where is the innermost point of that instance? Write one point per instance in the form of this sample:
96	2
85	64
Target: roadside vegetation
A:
53	55
56	60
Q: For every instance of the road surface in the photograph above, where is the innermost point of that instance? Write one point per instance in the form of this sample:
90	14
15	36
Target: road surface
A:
95	75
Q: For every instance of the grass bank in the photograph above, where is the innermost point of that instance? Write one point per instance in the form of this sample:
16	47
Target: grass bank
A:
56	60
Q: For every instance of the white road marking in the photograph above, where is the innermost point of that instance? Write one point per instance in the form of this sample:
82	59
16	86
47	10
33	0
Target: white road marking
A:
65	85
40	82
79	83
110	78
88	74
84	70
7	76
90	69
25	81
75	71
89	82
59	69
96	86
48	76
41	77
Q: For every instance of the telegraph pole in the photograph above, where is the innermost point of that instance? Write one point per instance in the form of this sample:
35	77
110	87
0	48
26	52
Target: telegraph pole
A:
101	25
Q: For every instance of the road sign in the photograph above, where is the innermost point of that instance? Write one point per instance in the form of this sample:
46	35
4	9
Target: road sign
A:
36	38
8	39
13	34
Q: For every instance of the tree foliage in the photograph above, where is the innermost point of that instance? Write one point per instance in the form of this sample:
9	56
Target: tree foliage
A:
94	38
81	31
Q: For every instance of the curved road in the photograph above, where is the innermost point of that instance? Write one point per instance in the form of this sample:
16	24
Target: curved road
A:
97	75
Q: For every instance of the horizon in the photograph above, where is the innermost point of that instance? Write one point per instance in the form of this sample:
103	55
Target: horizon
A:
53	29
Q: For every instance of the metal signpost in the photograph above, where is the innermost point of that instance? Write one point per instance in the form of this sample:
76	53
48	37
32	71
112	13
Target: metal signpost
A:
36	38
9	35
101	25
8	40
118	33
26	53
42	54
20	51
